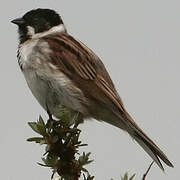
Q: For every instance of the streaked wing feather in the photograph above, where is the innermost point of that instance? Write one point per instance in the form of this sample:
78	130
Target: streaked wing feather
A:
80	64
110	93
78	60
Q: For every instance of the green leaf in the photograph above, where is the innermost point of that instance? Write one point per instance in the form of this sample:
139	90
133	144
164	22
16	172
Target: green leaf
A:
43	164
132	177
36	139
79	145
65	115
42	130
126	177
41	126
84	159
34	127
85	170
41	121
50	160
88	177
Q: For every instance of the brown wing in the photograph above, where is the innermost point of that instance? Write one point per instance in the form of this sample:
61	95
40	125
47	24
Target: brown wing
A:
88	72
81	64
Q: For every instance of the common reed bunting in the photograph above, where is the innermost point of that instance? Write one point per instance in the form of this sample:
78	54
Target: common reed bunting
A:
62	71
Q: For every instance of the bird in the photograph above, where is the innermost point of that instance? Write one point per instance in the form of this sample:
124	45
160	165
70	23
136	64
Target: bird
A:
61	71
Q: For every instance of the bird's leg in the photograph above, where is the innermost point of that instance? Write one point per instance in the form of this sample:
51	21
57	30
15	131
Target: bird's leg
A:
79	119
50	115
50	120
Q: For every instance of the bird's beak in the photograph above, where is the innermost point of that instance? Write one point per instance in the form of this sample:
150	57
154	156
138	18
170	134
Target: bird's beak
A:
18	21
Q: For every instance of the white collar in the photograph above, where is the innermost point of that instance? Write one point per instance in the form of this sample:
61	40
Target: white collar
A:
56	29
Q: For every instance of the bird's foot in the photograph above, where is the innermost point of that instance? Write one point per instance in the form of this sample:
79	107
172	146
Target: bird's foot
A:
50	121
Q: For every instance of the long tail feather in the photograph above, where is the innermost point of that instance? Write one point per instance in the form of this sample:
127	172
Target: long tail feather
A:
126	123
151	148
147	144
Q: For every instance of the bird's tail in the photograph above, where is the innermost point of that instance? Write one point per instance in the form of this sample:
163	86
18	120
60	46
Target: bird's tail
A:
144	141
151	148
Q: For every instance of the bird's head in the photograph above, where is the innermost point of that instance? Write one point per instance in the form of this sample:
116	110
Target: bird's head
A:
37	23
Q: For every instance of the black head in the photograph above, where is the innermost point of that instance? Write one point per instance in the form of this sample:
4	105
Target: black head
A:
36	21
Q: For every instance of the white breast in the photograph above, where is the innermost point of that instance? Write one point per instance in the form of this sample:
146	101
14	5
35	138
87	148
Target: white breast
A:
24	51
51	87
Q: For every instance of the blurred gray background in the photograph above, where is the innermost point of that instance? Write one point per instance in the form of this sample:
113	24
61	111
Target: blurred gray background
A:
138	41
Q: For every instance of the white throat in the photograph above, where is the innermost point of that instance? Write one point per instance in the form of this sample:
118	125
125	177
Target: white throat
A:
57	29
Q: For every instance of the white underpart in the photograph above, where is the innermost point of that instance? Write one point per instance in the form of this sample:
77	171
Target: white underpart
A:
31	32
51	87
25	51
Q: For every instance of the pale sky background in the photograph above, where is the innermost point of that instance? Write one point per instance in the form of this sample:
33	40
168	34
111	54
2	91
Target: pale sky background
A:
139	42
